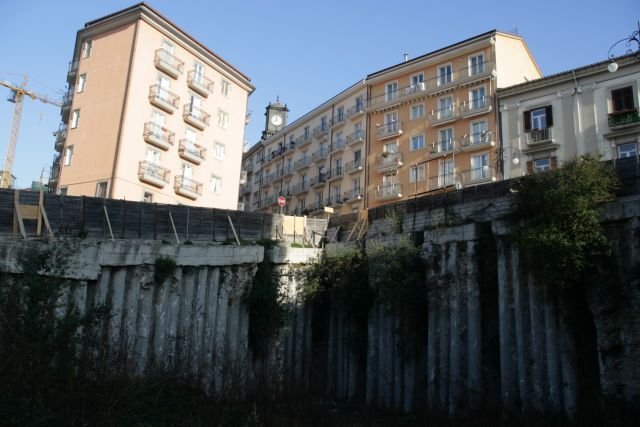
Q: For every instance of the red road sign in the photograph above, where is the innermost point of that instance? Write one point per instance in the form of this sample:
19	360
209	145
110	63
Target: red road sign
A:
282	201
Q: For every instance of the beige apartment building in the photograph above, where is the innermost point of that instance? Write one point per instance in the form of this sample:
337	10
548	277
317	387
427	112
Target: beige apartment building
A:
432	122
587	110
151	115
315	162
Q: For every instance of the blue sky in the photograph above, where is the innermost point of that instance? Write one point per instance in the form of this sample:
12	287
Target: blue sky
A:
304	52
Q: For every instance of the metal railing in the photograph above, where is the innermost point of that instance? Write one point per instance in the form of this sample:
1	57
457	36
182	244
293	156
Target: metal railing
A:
156	92
188	184
199	81
146	168
538	136
188	147
154	130
354	165
354	193
168	61
389	191
389	129
354	137
302	163
337	145
195	113
387	161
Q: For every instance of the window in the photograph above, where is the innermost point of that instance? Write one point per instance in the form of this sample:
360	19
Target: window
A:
75	118
216	184
340	114
417	111
357	130
87	45
477	98
323	123
478	132
101	189
68	155
417	142
391	91
445	109
476	64
218	151
147	197
306	132
622	99
62	191
390	147
82	81
629	149
357	156
164	83
198	72
540	118
359	103
225	88
479	167
445	174
416	79
542	165
416	173
445	143
391	121
445	75
194	106
223	119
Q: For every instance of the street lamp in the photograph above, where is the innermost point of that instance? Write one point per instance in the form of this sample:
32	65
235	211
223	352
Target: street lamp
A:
630	42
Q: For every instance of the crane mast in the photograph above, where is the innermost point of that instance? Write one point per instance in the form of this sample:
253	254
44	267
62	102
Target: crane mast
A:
18	93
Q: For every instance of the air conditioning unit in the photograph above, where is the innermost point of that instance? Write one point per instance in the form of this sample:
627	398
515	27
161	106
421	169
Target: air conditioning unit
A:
240	206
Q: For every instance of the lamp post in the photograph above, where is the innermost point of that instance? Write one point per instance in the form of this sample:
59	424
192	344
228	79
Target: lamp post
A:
630	42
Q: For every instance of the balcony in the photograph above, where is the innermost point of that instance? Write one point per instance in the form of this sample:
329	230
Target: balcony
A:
441	148
195	116
287	171
319	156
243	177
624	119
300	187
538	137
477	141
67	100
353	166
55	170
281	150
316	207
153	174
318	181
61	137
337	146
167	62
335	173
302	163
73	71
475	107
335	200
389	191
199	83
320	131
268	179
388	161
355	111
443	115
191	151
187	187
389	130
246	189
443	180
337	120
355	194
162	98
477	176
474	72
355	137
158	136
241	206
248	166
302	140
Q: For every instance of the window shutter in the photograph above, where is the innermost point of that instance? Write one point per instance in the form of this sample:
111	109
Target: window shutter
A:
527	121
553	162
549	115
530	167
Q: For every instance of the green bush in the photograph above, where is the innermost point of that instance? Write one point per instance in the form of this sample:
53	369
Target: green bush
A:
165	266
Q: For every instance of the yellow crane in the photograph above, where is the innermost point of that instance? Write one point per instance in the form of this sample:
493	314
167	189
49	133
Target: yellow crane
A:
16	96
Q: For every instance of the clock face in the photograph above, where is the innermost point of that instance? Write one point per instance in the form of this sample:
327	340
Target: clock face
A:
276	120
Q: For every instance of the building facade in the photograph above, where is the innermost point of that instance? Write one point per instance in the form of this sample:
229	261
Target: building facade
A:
432	122
560	117
151	114
315	162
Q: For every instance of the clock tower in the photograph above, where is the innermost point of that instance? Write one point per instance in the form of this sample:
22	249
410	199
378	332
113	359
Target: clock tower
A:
276	118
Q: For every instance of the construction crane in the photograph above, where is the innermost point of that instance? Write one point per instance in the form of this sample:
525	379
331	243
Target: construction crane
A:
16	96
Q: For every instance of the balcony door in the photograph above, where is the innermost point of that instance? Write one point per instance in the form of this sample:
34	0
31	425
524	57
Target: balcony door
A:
163	87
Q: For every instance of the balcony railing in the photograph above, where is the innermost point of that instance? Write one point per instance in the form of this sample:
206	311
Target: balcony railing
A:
389	191
353	194
73	69
353	166
287	170
320	131
302	163
153	174
302	140
281	150
199	83
623	119
162	98
318	180
335	199
475	106
61	137
388	161
158	136
55	169
246	189
441	181
300	187
442	146
355	111
195	116
335	173
477	175
355	137
477	140
319	155
337	145
191	151
167	62
338	120
388	130
539	136
443	115
187	187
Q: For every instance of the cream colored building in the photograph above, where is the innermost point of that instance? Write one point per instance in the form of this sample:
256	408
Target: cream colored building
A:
151	115
548	121
315	162
432	122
